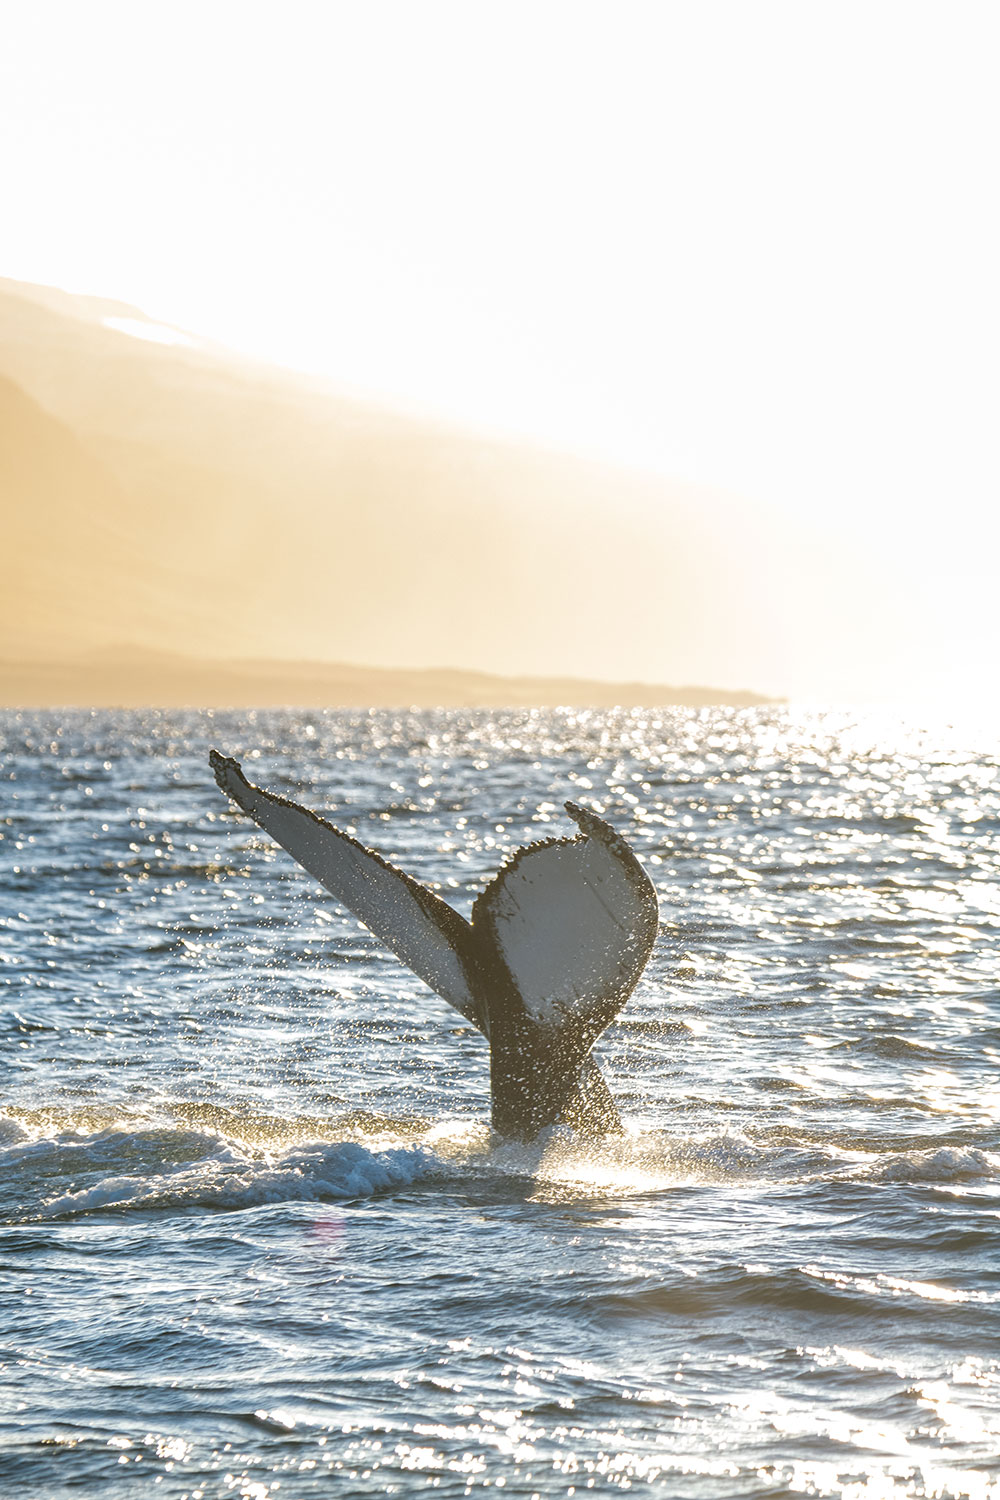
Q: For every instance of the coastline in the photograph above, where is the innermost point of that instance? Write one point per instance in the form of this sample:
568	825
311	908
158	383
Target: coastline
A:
136	679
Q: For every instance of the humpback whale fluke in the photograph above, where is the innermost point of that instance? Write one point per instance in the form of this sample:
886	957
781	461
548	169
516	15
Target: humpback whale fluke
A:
555	946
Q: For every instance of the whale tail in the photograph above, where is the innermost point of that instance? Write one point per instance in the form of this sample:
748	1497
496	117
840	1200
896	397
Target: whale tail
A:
555	946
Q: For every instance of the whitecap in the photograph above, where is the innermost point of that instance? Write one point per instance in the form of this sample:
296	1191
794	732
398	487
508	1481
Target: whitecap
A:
231	1179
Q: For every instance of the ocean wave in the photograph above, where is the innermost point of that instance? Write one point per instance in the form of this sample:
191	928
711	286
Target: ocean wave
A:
814	1290
642	1161
54	1167
78	1165
655	1160
11	1130
169	1168
945	1164
323	1173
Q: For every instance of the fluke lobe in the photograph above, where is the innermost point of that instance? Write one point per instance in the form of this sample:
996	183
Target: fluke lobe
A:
556	944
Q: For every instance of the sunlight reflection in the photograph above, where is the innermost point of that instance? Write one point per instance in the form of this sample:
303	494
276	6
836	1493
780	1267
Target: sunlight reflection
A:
155	333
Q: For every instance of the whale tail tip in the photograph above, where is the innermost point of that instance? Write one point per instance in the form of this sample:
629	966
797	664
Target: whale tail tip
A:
229	777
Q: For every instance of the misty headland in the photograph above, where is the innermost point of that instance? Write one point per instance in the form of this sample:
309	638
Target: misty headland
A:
186	526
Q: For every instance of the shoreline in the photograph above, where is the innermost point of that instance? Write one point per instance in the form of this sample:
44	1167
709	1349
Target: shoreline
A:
160	681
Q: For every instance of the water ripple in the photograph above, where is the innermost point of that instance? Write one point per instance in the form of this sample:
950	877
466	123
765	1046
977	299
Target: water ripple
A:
256	1238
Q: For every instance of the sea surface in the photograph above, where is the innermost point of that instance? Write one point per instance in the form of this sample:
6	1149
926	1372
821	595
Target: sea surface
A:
256	1238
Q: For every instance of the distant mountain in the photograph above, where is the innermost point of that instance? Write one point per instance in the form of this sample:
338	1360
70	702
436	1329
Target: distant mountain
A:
74	563
138	679
174	497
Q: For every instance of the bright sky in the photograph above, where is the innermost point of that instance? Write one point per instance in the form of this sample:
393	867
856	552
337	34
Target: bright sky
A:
751	245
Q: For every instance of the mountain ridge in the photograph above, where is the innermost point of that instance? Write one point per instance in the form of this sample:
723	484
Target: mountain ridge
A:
135	678
260	516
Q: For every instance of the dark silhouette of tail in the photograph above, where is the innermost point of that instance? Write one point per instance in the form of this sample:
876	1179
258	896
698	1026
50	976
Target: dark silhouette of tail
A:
555	946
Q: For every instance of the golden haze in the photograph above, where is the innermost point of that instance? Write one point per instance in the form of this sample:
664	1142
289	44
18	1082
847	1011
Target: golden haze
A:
168	498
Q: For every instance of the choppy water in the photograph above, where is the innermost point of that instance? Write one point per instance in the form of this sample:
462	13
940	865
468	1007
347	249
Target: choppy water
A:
255	1238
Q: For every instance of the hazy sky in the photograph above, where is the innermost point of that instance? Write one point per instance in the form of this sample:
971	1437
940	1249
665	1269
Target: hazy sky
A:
752	245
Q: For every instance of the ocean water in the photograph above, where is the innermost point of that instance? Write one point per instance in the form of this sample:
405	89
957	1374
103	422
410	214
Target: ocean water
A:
256	1239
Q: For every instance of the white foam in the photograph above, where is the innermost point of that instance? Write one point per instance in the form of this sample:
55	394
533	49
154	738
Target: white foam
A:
227	1176
166	1166
646	1161
152	1166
